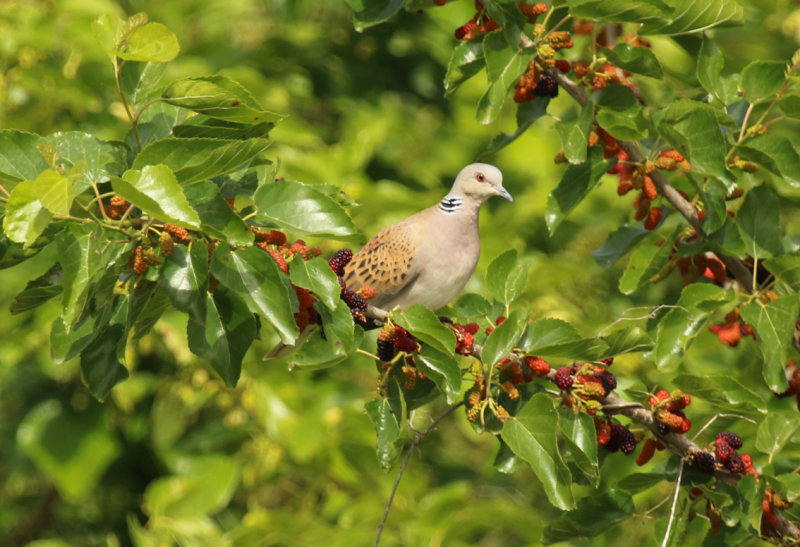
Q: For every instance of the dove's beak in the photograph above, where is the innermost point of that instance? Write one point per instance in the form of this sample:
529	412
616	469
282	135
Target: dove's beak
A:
503	193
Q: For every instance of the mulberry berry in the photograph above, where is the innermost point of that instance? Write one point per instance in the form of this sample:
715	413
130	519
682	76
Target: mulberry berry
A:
539	366
278	258
386	350
705	461
180	234
734	440
547	86
723	451
563	378
355	301
139	265
621	439
735	463
339	260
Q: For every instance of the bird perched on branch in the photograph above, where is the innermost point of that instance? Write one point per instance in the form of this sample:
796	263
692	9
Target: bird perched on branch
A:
428	257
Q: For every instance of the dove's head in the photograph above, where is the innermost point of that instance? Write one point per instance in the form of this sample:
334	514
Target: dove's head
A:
480	181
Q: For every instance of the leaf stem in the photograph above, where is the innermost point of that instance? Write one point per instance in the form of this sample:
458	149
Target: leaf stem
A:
118	77
414	444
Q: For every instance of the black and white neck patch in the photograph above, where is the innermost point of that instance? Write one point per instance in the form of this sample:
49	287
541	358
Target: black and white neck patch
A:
450	204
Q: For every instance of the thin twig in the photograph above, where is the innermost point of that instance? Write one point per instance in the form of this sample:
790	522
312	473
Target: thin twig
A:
665	542
414	444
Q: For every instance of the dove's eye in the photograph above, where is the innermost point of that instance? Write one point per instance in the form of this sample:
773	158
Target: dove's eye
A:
481	177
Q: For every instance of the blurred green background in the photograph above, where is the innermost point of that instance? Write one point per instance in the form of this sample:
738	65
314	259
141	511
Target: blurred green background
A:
172	456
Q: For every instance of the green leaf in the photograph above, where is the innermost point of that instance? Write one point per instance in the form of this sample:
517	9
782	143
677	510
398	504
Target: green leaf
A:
472	305
504	66
196	159
255	277
184	279
581	435
426	327
67	344
503	338
316	275
367	13
623	126
216	216
774	432
98	160
387	430
19	156
527	113
152	42
786	269
203	485
466	60
723	391
55	191
680	325
619	242
219	97
156	191
100	366
762	80
593	515
575	135
38	291
646	261
714	193
72	450
710	62
789	103
338	325
556	338
693	128
758	221
616	97
639	60
627	11
774	325
532	435
627	340
223	335
25	218
690	16
302	209
575	185
147	304
443	370
506	277
318	352
200	127
777	154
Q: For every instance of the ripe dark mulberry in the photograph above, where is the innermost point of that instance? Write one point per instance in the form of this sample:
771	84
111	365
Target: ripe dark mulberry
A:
731	438
339	260
704	461
386	350
547	86
355	301
723	450
563	378
735	463
621	439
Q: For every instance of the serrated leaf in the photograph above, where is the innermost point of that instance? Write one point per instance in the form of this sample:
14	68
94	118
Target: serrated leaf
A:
713	194
318	353
639	60
316	275
302	209
54	191
466	60
574	186
100	367
532	435
338	325
19	157
504	337
789	103
710	62
723	391
774	432
367	13
255	277
152	42
680	325
786	269
424	325
581	435
693	128
156	191
196	159
25	218
504	66
67	344
774	325
758	221
622	126
38	291
506	277
690	16
628	11
619	242
777	154
184	279
219	97
443	370
646	261
593	515
223	334
627	340
98	160
387	430
472	305
216	216
575	135
762	80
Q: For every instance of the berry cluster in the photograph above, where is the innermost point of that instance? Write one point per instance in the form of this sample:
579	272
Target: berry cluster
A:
355	300
732	329
724	454
465	337
534	83
477	395
705	264
481	23
771	501
668	411
393	339
115	208
142	257
793	373
615	437
178	233
587	381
